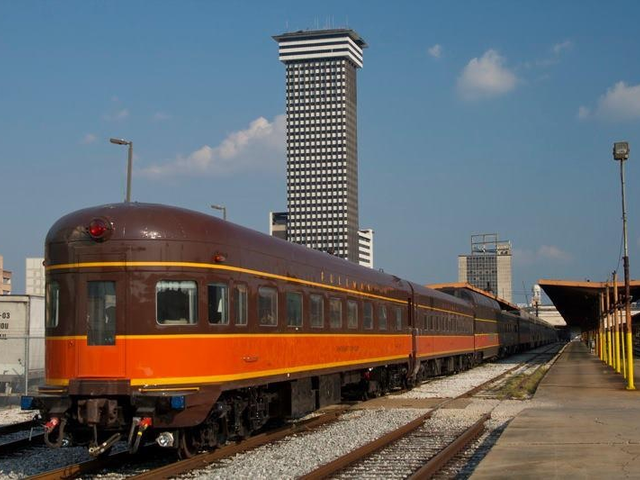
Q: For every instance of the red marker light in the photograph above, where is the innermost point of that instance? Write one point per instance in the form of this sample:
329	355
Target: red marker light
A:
98	228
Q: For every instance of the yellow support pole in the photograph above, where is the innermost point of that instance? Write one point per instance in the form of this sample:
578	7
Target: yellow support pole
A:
616	336
630	380
610	336
629	333
618	320
602	336
624	350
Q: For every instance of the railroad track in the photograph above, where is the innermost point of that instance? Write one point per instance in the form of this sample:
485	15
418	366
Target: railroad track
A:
8	446
416	450
117	460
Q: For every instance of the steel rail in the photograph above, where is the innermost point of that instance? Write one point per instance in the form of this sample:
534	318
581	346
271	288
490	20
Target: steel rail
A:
360	453
204	459
200	461
444	456
17	427
77	469
37	439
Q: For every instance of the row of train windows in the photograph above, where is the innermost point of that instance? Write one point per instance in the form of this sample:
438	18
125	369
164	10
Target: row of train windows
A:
267	308
177	304
446	323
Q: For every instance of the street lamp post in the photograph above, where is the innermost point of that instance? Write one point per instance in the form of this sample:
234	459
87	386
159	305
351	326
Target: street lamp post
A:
221	207
621	154
119	141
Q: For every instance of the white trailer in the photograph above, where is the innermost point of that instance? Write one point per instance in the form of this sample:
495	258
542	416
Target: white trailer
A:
21	342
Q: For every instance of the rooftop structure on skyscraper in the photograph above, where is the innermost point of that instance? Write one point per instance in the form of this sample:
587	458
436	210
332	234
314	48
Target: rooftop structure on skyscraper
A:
322	146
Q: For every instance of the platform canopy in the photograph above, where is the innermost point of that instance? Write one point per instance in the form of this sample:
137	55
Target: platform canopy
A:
579	302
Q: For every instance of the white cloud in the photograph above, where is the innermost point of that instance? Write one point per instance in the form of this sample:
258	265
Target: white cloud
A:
551	252
260	146
559	48
119	115
583	113
435	51
620	102
160	116
88	138
544	253
485	77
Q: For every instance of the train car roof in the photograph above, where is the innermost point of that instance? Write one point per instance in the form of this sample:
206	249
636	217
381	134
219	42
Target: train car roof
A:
144	222
504	304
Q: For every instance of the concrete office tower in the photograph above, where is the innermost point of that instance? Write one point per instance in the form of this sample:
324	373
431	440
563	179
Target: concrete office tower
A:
365	247
34	278
322	141
5	280
489	265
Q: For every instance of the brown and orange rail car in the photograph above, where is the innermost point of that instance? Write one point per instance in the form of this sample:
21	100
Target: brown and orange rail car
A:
170	324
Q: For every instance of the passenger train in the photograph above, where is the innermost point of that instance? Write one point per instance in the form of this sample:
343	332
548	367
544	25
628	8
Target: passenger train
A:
171	325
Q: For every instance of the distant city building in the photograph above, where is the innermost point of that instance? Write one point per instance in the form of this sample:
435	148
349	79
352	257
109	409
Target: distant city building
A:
322	143
548	313
5	286
489	265
278	224
34	278
365	247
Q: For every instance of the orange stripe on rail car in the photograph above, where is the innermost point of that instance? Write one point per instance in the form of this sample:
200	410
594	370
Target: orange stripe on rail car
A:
212	358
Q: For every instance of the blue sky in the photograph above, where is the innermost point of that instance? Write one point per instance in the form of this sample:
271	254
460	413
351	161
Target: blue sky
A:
474	117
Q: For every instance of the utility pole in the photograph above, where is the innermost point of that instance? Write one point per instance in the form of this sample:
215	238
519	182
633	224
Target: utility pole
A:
621	154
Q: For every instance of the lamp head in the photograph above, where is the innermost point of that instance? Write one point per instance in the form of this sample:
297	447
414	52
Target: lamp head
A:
621	151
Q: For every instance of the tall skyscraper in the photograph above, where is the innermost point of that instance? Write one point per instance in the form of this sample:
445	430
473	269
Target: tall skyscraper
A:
322	143
489	265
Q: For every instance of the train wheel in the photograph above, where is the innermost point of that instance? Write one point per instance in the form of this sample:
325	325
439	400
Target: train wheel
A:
186	445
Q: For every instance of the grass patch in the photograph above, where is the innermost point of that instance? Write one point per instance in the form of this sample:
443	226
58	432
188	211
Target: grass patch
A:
522	386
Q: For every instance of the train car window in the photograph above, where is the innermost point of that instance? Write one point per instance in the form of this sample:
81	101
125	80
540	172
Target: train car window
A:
367	316
267	306
382	317
53	304
218	304
240	304
176	302
316	310
294	309
335	313
352	314
398	318
101	313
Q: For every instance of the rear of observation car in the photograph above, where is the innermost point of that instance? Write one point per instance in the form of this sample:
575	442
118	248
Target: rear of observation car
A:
88	398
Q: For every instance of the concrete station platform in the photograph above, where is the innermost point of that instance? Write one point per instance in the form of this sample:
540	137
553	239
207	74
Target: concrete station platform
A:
588	428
